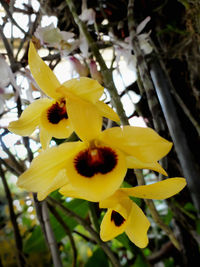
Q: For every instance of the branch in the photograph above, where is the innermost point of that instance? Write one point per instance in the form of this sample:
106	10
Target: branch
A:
188	164
51	237
153	103
88	239
6	7
93	233
67	230
16	164
8	48
13	218
93	216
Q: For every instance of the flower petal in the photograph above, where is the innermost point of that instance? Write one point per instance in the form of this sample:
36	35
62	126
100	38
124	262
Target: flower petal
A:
69	191
45	167
84	117
118	197
86	88
30	118
42	74
142	143
45	137
92	186
58	181
109	226
107	111
159	190
133	163
137	227
62	129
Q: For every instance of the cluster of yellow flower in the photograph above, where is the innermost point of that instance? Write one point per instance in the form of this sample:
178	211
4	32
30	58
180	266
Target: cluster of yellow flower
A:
94	167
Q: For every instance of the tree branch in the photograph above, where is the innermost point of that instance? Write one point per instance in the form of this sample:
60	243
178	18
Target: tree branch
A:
50	237
67	230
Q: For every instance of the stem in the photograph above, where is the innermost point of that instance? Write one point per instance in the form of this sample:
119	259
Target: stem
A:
153	103
189	166
51	237
13	218
16	165
6	7
93	233
67	230
93	216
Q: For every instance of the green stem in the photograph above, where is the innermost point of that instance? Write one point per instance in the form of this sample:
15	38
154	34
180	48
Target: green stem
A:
93	216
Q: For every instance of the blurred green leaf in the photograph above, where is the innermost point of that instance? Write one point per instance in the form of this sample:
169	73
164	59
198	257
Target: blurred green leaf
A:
124	240
98	259
140	262
36	242
78	206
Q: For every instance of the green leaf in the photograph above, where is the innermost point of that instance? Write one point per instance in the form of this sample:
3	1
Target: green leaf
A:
36	242
98	259
140	262
124	240
78	206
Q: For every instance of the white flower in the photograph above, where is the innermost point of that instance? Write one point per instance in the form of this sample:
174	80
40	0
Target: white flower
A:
53	37
88	15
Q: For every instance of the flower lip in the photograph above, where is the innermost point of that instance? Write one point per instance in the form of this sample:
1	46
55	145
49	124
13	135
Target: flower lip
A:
57	112
95	160
117	218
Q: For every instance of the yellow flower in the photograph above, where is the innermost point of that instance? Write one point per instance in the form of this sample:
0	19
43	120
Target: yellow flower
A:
95	167
123	215
52	115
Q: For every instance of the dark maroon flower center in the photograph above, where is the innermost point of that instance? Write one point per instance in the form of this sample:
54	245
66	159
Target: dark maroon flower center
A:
57	112
96	160
117	218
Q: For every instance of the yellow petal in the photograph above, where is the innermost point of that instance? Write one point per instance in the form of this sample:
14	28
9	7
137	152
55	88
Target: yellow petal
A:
84	117
58	181
45	167
109	226
62	129
118	197
137	227
96	186
45	137
133	163
42	74
30	118
159	190
86	88
69	191
107	111
142	143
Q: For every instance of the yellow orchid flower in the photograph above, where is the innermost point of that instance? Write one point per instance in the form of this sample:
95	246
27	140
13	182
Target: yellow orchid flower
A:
52	115
95	167
123	215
